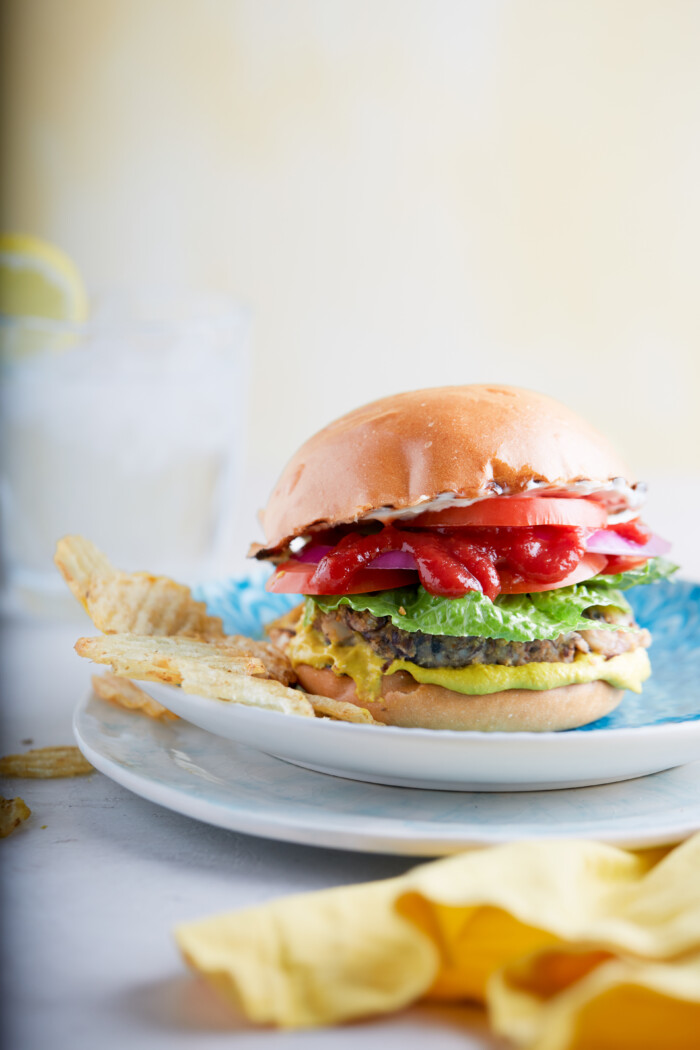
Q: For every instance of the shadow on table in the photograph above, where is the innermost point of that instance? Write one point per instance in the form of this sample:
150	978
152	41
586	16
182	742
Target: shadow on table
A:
186	1003
132	825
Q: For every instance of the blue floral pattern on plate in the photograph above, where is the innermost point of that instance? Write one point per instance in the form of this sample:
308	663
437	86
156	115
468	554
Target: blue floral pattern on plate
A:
243	603
669	609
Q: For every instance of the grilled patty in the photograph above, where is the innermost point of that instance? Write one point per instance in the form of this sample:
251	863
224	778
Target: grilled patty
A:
344	626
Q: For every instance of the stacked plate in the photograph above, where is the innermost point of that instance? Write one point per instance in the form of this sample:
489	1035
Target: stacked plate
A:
422	791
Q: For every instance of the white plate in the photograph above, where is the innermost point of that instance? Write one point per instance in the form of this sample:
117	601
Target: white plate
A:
237	787
645	734
444	759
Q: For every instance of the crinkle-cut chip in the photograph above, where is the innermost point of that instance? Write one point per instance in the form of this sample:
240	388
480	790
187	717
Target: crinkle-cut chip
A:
156	659
342	711
158	632
13	811
288	622
124	693
79	561
282	630
201	668
244	689
276	663
135	603
46	763
141	603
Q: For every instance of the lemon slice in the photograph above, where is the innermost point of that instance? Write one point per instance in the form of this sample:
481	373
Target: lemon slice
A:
39	280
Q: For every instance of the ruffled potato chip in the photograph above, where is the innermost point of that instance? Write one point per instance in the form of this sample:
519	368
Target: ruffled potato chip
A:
13	811
201	668
124	693
155	631
46	763
132	603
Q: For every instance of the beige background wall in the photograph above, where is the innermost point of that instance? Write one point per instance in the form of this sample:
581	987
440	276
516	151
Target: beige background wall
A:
407	192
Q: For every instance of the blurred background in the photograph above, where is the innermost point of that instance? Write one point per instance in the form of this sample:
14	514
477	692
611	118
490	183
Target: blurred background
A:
403	192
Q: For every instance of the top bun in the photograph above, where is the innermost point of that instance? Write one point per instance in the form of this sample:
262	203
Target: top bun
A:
403	451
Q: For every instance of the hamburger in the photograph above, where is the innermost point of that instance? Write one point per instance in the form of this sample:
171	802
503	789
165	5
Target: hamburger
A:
462	555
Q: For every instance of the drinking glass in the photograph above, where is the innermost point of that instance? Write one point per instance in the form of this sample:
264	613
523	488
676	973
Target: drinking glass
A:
128	429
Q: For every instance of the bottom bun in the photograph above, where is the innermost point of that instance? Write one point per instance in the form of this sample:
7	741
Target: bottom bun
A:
405	702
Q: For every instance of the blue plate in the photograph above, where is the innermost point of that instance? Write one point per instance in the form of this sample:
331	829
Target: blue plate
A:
669	609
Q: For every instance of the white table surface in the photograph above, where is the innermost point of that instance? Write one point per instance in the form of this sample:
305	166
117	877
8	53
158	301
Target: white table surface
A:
94	882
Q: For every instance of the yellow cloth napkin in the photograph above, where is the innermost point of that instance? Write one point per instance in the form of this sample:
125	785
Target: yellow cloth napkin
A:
569	944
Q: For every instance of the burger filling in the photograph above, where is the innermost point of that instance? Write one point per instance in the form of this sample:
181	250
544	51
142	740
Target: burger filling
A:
504	594
355	657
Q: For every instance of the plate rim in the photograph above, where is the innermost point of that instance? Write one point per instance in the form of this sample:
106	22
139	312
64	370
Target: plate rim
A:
472	735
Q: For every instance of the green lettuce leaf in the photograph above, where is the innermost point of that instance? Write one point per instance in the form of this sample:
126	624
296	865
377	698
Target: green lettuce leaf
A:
654	570
513	617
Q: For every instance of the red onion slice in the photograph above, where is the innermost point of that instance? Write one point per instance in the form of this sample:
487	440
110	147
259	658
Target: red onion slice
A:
313	554
394	560
605	541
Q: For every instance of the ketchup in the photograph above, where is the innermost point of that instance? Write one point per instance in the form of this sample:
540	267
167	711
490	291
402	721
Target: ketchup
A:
451	562
635	531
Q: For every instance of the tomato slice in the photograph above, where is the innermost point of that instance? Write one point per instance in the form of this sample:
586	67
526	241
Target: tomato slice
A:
590	565
514	510
294	577
619	563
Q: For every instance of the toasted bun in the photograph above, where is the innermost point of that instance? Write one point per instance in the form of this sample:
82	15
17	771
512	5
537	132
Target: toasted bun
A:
405	702
402	451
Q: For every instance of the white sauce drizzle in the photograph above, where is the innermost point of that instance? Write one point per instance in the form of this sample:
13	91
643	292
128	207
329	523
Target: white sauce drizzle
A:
634	497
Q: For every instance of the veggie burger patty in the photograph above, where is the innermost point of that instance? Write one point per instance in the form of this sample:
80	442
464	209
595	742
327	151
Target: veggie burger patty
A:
344	626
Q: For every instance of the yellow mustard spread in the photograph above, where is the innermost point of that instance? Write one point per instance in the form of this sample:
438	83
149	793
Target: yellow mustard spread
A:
362	664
